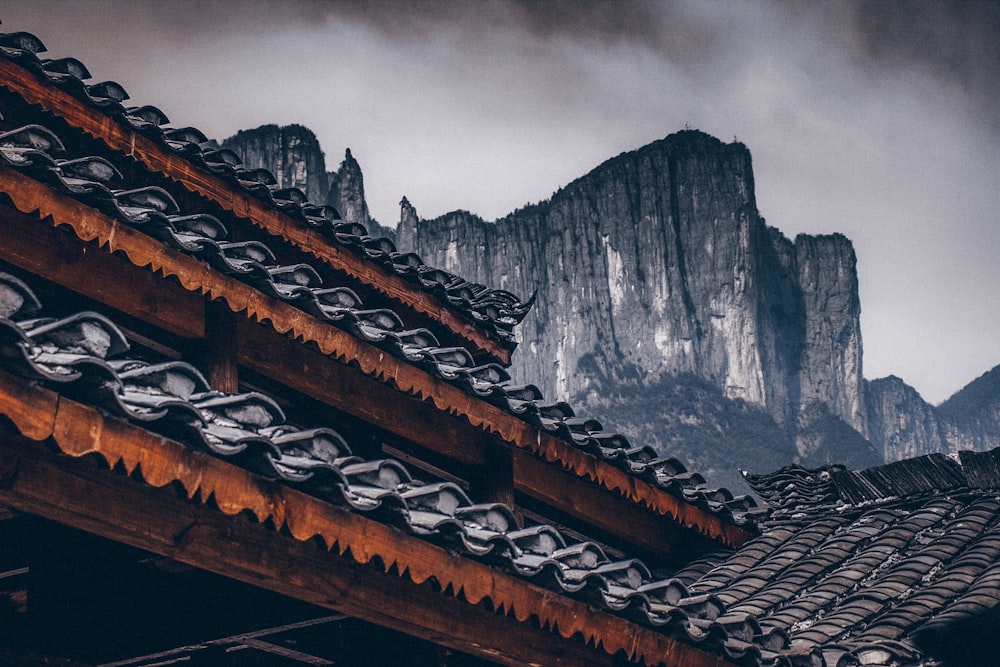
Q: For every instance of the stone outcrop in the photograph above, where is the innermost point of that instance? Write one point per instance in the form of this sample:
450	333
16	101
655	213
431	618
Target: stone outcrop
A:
658	263
293	154
347	191
971	418
902	424
655	272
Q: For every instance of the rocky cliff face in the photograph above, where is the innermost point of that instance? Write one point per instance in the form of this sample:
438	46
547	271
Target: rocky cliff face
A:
971	418
293	154
658	263
662	294
902	424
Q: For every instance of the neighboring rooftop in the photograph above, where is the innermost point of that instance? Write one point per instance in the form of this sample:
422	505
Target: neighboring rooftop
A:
893	565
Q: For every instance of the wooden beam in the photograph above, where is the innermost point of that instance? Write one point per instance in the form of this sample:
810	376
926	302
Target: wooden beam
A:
221	348
628	522
88	497
97	501
240	639
109	500
241	204
504	469
357	394
61	257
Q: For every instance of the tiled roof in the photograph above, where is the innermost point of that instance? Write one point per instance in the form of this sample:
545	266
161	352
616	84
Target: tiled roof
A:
497	310
83	356
39	153
869	567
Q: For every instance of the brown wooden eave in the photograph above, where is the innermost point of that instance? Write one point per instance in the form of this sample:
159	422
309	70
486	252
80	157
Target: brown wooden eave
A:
240	204
153	493
126	269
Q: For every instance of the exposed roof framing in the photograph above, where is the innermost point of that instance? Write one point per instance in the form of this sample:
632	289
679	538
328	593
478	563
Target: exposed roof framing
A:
366	569
345	372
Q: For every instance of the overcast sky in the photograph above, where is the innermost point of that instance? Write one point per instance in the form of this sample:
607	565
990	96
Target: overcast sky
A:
877	120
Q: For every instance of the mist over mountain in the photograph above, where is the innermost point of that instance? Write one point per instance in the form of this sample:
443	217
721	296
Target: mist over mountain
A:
670	310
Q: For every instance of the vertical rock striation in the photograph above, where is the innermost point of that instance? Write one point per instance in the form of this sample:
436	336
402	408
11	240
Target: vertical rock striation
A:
347	191
971	418
291	153
657	263
901	423
661	294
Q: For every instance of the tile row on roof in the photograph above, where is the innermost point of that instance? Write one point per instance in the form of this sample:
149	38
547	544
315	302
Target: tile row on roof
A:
868	567
34	151
82	357
496	310
795	489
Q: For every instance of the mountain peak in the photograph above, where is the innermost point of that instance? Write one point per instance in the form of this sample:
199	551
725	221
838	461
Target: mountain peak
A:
291	152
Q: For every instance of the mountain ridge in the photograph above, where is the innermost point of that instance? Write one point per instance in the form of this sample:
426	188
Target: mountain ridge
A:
656	267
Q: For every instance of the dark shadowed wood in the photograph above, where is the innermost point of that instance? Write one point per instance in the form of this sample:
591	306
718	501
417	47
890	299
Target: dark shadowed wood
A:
629	522
293	364
74	489
495	481
63	259
221	348
80	494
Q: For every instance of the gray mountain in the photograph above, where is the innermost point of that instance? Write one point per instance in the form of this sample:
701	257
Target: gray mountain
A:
293	154
657	263
903	424
668	308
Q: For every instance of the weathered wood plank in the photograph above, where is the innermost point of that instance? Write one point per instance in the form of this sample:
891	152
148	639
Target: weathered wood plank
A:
631	523
82	495
61	257
83	433
221	348
99	502
292	364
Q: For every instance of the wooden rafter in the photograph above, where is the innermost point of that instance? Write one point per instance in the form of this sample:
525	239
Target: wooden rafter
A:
373	571
256	639
345	372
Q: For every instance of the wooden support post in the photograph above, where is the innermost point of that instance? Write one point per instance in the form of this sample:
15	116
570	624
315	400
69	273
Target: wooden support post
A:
221	348
495	481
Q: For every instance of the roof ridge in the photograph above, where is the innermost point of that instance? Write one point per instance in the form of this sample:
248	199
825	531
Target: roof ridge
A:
795	487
